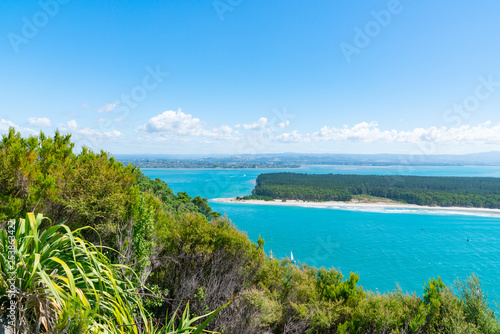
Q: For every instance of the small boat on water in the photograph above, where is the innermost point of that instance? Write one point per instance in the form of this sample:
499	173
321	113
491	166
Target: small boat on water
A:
291	257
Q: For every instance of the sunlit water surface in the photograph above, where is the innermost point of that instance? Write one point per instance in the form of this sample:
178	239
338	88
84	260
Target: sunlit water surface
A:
384	246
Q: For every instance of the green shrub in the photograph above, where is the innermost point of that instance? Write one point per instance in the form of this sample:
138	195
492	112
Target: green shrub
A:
60	279
472	300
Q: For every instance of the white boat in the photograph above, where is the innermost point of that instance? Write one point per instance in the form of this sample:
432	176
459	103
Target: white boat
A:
291	257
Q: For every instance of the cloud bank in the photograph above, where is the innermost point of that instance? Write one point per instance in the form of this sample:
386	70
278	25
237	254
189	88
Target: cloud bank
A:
41	122
486	133
178	125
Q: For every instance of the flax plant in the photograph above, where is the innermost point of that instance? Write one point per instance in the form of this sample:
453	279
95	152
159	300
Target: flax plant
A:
63	283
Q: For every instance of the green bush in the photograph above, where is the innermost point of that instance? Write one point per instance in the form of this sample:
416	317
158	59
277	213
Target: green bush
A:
182	250
61	281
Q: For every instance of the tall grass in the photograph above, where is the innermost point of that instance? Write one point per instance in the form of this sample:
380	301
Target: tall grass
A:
64	284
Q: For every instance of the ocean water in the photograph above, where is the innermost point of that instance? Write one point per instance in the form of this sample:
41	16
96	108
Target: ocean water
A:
386	247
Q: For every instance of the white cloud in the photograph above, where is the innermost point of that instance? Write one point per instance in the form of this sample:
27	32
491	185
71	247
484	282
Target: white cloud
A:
180	126
174	123
224	133
72	125
283	125
73	128
259	125
292	137
485	133
366	132
108	107
40	121
5	125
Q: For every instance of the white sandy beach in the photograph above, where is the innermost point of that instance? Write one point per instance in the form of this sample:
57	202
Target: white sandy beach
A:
360	205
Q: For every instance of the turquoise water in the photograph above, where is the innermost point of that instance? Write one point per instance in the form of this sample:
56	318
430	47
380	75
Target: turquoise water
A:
385	246
220	183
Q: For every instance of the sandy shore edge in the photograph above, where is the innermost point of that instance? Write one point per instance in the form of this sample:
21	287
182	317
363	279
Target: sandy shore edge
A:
354	205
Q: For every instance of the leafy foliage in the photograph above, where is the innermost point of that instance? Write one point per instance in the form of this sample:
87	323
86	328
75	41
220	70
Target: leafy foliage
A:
175	253
61	280
472	300
124	209
180	203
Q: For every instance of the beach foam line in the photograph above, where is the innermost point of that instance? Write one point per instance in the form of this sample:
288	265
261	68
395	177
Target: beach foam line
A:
372	207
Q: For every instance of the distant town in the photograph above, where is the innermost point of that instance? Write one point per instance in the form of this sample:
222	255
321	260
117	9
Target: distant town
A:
295	160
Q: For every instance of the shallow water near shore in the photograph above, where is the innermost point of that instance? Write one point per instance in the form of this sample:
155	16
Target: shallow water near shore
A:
385	246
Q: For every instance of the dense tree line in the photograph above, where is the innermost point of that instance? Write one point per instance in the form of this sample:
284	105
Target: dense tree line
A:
483	192
174	250
257	197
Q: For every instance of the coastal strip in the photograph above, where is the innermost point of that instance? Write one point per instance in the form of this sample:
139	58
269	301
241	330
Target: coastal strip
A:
354	205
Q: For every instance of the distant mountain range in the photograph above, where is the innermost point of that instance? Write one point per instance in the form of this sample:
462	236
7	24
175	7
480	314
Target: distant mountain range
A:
291	160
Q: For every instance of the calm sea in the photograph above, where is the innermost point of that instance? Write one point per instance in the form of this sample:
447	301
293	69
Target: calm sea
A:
385	247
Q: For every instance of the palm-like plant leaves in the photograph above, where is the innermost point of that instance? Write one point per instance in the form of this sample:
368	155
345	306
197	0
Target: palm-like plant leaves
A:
54	268
64	281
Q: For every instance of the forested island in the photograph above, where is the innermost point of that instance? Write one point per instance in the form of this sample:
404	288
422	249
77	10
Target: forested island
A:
89	245
476	192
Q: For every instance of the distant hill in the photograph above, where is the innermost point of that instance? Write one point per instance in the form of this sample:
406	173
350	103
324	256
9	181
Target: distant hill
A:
292	160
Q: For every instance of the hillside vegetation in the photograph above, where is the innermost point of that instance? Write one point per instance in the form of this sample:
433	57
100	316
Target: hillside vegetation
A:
481	192
117	252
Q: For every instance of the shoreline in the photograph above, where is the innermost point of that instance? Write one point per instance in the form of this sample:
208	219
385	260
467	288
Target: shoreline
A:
358	205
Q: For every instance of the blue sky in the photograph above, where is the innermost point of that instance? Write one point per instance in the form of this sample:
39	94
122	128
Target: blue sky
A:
241	76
